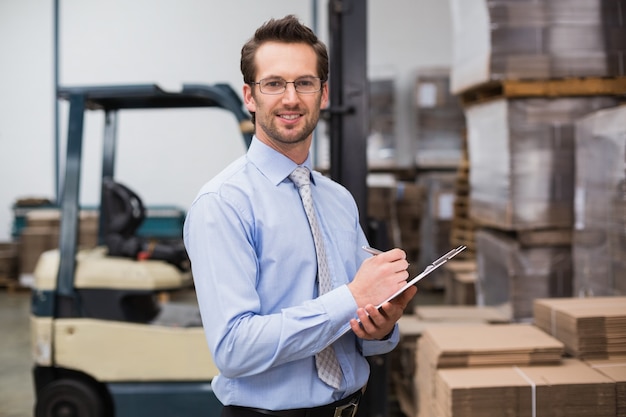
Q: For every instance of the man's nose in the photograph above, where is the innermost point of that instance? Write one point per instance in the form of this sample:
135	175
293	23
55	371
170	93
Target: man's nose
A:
290	91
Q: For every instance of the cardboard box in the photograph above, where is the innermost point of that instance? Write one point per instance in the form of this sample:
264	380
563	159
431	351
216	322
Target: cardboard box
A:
8	260
570	389
590	328
478	346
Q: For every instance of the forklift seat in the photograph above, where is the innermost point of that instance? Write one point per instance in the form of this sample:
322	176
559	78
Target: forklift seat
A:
123	213
114	288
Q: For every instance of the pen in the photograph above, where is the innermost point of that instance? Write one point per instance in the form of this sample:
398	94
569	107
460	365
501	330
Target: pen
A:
371	250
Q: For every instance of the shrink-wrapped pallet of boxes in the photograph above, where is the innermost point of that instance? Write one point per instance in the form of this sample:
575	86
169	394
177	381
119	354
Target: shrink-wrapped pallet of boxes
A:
512	275
521	154
439	187
536	39
382	120
599	244
399	205
526	72
440	121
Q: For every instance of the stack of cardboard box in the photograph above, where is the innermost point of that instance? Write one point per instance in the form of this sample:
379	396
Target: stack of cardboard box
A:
381	142
440	121
615	369
590	328
460	282
511	274
412	326
527	72
42	234
400	205
572	389
440	193
536	39
570	362
503	345
599	245
8	264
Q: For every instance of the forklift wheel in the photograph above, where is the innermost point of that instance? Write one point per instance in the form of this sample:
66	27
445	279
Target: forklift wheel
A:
69	398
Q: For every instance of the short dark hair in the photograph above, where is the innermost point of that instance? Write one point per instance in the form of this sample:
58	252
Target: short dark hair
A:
288	30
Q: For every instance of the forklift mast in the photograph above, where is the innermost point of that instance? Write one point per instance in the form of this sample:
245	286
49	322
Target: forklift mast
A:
349	98
348	111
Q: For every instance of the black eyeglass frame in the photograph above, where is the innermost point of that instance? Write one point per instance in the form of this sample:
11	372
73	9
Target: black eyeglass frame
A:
284	88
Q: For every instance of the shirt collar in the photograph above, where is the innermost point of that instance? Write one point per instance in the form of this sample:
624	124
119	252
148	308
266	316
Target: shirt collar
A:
274	165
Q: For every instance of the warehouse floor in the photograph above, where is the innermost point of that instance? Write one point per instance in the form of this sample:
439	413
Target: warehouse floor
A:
16	388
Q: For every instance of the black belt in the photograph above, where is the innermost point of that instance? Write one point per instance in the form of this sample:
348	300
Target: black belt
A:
343	408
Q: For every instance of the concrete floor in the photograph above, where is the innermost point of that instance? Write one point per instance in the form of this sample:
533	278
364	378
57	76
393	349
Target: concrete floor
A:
16	387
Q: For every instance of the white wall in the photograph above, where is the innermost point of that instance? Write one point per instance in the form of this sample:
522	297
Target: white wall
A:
167	155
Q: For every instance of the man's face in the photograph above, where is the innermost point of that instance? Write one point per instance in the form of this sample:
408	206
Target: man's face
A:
287	119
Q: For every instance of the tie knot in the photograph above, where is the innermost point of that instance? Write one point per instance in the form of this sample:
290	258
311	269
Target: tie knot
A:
300	176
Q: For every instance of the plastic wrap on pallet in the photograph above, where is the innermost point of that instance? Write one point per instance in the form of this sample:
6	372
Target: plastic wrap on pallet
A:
436	221
382	120
600	204
522	157
538	39
440	120
513	275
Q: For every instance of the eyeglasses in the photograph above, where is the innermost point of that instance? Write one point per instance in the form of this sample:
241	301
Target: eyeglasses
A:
303	85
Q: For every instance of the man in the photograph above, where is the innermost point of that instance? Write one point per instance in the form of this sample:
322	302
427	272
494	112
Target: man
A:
255	254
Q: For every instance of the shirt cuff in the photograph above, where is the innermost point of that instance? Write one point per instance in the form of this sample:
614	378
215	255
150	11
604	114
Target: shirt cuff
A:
340	306
380	347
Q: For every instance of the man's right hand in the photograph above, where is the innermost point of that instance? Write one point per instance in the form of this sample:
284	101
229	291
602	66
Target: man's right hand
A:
379	277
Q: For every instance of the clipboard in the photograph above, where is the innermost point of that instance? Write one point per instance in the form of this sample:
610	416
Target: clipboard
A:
430	268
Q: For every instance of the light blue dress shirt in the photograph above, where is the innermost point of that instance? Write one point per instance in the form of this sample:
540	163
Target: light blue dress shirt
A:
254	267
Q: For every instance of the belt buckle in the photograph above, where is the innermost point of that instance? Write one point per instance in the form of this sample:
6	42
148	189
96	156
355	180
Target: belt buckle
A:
349	409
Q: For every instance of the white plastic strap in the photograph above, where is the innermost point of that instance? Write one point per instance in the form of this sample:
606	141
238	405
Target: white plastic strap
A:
533	390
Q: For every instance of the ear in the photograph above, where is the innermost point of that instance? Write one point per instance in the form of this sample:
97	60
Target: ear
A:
248	98
324	102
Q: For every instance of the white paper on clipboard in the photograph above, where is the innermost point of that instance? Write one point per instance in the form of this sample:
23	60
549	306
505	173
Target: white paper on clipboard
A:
430	268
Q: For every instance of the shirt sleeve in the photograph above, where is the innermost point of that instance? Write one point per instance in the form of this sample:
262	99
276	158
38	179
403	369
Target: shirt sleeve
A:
243	337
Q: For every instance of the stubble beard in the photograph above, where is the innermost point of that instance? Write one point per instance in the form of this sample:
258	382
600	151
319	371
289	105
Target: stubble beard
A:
286	135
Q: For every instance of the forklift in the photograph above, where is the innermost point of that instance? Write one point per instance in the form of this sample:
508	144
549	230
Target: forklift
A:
105	341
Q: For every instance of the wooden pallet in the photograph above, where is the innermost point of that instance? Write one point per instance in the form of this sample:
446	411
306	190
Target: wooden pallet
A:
566	87
462	226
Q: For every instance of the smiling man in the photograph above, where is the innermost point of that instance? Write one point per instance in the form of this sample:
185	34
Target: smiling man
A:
276	252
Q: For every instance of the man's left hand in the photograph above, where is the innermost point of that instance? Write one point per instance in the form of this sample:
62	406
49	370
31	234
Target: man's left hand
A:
376	323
